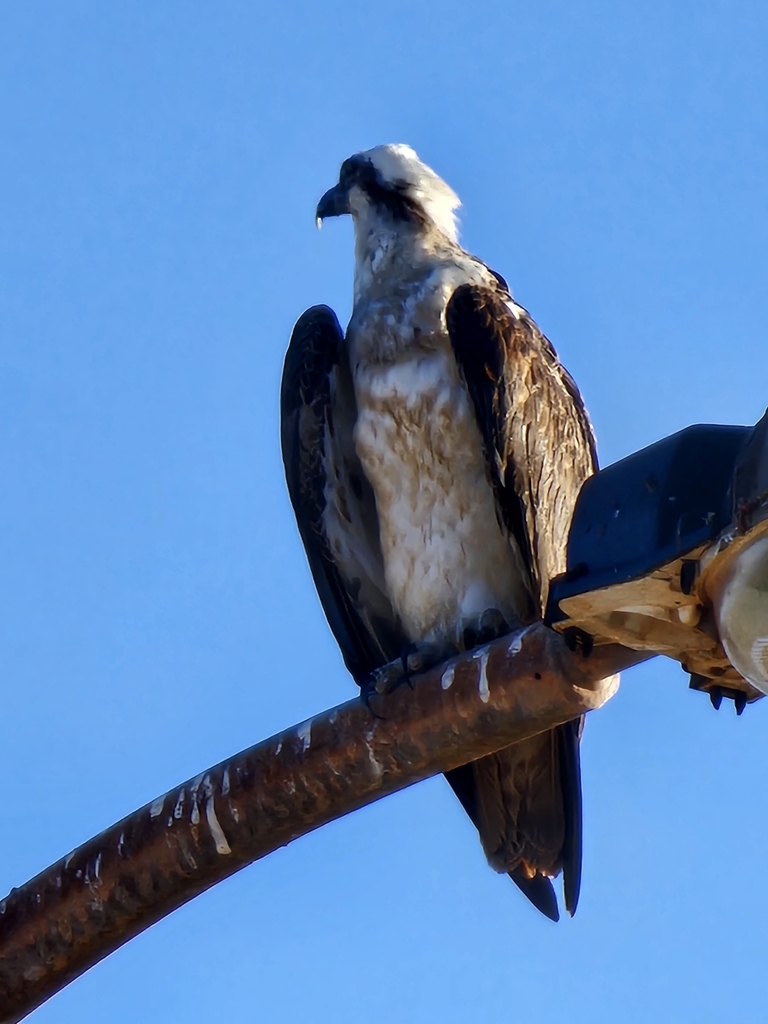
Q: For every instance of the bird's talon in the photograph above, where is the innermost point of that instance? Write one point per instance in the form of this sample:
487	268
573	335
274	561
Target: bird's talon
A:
406	672
367	691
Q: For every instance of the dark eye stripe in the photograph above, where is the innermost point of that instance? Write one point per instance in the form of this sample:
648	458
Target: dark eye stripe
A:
389	198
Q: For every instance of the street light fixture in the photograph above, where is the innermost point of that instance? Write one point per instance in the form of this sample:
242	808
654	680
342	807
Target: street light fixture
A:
668	552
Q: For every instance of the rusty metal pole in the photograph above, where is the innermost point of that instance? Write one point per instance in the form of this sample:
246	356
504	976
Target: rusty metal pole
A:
80	909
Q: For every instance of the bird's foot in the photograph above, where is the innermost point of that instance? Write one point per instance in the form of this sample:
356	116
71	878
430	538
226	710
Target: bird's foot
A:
485	628
414	659
369	690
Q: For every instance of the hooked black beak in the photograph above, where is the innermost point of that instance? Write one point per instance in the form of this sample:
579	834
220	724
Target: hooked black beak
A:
334	203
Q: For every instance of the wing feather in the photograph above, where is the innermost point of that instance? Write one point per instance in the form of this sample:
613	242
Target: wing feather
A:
540	448
538	438
334	505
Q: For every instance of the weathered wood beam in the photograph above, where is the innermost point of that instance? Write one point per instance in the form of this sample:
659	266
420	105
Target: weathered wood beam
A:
80	909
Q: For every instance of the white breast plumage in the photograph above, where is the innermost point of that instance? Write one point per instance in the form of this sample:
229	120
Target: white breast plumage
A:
447	558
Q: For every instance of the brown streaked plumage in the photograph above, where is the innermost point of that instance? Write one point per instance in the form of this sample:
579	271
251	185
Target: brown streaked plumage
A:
433	457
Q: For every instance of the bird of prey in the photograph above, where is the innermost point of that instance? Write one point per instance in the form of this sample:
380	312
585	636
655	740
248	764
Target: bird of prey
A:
433	455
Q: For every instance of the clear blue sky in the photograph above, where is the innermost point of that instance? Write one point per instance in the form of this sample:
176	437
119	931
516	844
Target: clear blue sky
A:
159	169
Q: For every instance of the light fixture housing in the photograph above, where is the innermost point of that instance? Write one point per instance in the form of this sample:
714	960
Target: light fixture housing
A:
740	601
665	553
734	570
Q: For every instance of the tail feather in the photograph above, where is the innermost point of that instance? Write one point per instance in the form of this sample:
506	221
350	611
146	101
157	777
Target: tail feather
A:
569	738
539	891
525	802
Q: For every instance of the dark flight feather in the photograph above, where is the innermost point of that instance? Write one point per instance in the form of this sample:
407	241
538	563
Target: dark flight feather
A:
314	393
540	448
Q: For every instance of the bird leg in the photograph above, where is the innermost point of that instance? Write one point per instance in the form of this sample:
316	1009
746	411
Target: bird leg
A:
420	656
485	628
414	659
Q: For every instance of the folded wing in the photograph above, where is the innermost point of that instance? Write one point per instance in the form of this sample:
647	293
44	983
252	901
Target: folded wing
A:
333	502
526	800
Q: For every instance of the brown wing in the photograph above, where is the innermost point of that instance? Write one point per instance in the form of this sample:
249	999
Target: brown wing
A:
537	434
334	505
526	801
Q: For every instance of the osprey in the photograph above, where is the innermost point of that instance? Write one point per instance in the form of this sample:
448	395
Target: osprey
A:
433	455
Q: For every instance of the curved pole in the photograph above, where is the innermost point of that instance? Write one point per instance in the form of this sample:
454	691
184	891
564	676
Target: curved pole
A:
86	905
